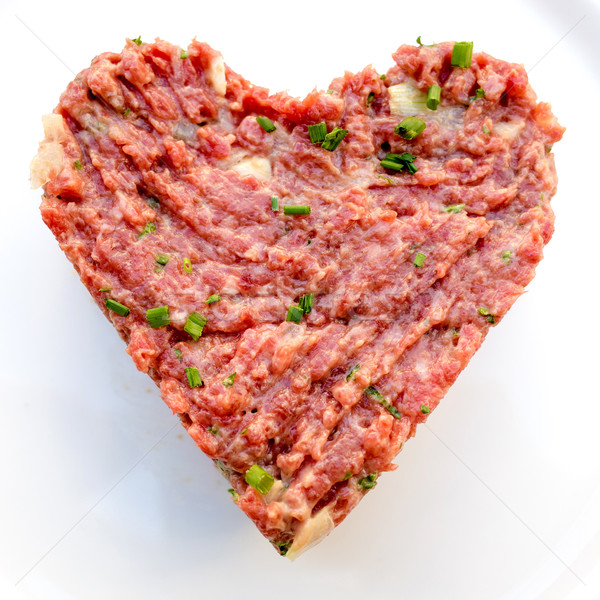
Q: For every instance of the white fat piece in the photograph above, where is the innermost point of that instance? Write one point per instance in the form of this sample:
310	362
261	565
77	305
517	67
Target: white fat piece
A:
216	75
310	533
509	130
257	165
49	161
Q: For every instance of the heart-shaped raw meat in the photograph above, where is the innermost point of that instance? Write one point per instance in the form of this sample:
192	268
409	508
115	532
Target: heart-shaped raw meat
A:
300	350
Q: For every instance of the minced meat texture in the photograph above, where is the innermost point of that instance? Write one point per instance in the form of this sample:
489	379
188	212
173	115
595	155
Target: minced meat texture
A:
158	186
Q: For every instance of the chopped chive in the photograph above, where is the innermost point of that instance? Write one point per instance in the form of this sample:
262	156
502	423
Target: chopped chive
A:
334	138
425	45
484	312
434	93
158	317
228	381
397	162
195	325
410	128
374	393
317	132
370	98
294	314
485	129
453	208
266	124
461	54
296	210
152	202
283	547
507	256
105	289
259	479
234	494
419	259
77	164
274	203
162	260
425	409
479	93
126	111
184	54
382	76
244	431
193	377
390	181
187	265
178	354
305	303
214	430
116	307
352	372
138	40
368	482
149	228
212	299
392	165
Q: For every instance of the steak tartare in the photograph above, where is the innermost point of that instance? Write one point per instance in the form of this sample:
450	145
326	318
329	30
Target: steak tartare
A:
302	278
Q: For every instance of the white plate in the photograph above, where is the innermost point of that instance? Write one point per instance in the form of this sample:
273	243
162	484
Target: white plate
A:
498	495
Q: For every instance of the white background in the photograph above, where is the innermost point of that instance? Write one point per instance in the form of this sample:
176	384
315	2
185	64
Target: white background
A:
498	496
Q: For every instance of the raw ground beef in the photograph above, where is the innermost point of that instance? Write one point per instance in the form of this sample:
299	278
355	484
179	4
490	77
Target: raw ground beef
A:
158	182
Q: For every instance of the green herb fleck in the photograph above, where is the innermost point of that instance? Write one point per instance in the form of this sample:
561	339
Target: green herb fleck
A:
178	354
244	431
453	208
368	482
334	138
126	111
266	124
425	409
149	228
152	202
214	430
212	299
305	303
195	325
434	94
485	129
193	377
410	128
507	256
158	317
419	259
425	45
274	203
162	260
184	54
105	289
296	210
228	381
374	393
370	98
187	265
455	333
484	312
259	479
138	40
317	132
347	476
77	164
116	307
234	494
294	314
462	53
352	372
329	92
397	162
283	547
390	181
479	93
382	76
